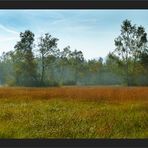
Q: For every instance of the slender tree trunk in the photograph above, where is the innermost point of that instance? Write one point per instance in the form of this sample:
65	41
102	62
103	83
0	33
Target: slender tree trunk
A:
127	67
62	69
43	71
127	75
76	76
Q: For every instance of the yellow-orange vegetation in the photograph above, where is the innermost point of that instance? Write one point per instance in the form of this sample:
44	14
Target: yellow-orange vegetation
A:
79	93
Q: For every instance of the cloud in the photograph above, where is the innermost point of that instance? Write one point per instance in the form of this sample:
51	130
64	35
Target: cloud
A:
8	30
6	39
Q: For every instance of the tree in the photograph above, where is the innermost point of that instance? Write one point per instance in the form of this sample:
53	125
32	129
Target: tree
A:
129	45
23	59
113	69
48	49
76	60
6	70
64	61
114	64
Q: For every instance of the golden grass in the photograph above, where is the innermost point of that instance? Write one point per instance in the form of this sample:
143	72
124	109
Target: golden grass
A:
112	94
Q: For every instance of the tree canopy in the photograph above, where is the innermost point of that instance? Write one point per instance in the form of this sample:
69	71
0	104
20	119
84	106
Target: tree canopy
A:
44	64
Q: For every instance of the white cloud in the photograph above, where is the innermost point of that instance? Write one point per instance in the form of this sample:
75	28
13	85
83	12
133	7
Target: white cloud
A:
8	30
8	38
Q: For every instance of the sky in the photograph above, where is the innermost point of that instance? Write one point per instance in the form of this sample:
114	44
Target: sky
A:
91	31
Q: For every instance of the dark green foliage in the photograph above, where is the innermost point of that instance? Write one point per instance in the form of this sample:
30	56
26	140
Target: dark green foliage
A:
47	49
23	60
130	45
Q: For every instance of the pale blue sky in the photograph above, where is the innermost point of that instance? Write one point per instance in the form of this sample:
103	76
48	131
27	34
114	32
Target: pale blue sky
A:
91	31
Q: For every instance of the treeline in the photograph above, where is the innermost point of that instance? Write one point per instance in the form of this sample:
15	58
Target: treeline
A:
44	64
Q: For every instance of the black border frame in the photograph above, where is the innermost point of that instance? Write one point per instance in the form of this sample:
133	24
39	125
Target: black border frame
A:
74	4
74	143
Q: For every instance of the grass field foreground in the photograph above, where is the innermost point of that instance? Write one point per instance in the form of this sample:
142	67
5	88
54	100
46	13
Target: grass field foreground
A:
74	112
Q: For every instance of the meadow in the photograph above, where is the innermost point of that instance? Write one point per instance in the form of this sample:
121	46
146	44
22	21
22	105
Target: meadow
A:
74	112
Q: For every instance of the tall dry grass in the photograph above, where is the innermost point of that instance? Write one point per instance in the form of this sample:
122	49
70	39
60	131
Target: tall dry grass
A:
112	94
